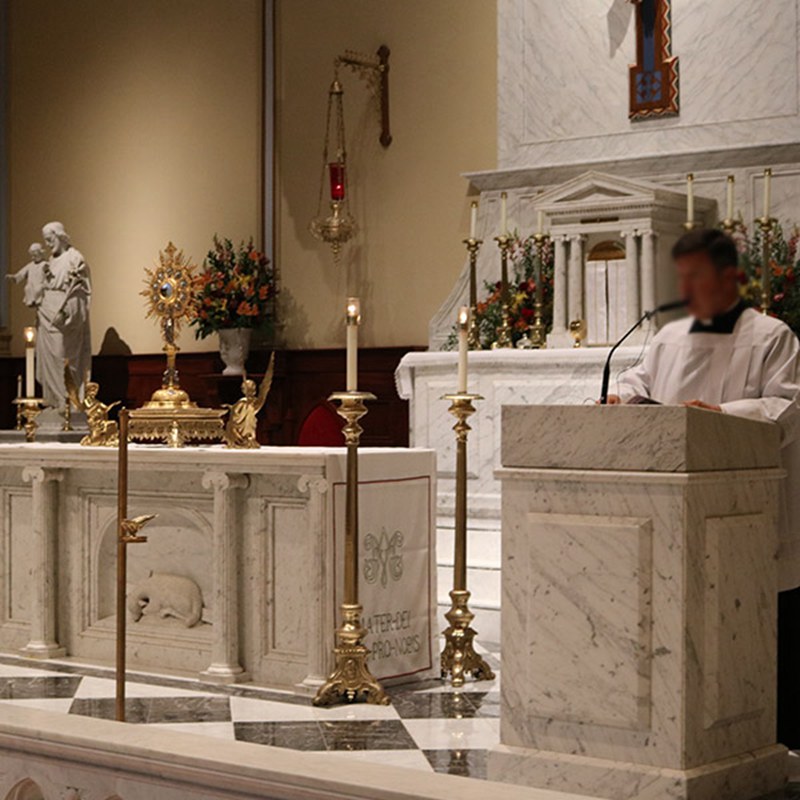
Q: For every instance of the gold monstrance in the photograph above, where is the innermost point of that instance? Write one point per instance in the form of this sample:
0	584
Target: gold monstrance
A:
170	416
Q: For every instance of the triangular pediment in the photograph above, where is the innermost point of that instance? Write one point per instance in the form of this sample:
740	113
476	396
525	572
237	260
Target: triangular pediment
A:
594	187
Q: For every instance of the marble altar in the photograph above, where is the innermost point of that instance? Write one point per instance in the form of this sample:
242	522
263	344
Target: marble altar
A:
502	377
257	534
640	603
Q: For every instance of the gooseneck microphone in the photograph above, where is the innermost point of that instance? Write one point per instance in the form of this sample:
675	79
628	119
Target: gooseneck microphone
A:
647	315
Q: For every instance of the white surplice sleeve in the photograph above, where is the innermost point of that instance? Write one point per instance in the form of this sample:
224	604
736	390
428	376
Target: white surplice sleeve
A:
637	380
780	388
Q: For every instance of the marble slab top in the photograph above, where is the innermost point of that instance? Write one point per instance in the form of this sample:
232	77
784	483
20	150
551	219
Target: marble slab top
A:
635	438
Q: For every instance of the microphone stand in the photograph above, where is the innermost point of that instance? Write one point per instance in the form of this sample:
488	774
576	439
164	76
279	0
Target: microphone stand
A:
607	367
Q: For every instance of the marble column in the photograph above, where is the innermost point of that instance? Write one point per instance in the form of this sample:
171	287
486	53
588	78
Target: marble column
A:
633	303
44	584
649	244
575	305
225	666
559	336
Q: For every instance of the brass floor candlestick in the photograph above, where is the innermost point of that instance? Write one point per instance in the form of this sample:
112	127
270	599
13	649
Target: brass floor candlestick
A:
459	658
504	329
473	335
765	224
28	409
728	225
126	534
351	680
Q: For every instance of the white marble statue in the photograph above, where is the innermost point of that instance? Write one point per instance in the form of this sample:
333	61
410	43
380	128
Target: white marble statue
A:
63	317
162	595
33	275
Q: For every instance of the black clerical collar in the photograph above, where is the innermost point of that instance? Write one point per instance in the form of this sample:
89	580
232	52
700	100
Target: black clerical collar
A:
721	323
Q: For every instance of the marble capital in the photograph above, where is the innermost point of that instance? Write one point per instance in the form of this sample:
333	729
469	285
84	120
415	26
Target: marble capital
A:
40	475
224	481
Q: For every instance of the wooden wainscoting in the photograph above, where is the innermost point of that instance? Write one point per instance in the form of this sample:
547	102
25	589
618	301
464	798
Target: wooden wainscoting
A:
303	380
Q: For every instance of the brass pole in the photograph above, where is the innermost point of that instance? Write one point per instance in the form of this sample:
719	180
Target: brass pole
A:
765	223
459	658
473	245
122	559
504	329
351	680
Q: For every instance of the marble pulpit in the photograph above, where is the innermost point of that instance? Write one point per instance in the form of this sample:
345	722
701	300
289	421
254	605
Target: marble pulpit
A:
639	603
241	575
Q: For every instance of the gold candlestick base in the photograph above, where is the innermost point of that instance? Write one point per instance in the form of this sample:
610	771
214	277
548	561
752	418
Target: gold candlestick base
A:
728	225
31	408
459	658
504	331
351	680
577	329
689	226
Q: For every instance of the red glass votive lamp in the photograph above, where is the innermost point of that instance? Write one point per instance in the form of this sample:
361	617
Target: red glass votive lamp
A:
336	170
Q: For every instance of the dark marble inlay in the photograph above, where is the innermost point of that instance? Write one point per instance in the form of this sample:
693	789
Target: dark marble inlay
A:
39	688
466	763
434	705
153	710
384	734
292	735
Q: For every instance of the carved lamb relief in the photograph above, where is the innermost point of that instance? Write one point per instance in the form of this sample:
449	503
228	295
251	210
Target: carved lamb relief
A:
162	595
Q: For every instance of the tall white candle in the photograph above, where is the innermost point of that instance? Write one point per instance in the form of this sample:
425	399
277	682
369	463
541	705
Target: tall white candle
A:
767	191
30	362
473	219
540	222
353	321
729	204
19	385
503	218
690	197
463	327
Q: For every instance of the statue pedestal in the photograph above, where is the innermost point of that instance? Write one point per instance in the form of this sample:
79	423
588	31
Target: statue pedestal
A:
639	603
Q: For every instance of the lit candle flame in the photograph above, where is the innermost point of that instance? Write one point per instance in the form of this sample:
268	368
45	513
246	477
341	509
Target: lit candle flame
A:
30	336
463	317
353	311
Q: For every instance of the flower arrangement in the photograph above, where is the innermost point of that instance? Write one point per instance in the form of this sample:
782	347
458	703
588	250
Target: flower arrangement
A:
784	267
236	289
522	290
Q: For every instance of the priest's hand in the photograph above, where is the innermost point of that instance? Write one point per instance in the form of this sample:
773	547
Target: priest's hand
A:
611	400
701	404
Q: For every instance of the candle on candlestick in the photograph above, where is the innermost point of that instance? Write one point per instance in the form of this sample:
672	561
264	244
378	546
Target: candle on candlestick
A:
767	191
473	219
353	321
30	362
19	386
463	328
729	205
540	222
503	218
690	197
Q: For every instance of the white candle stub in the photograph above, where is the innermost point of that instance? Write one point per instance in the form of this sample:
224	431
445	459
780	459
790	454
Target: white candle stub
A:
767	191
473	219
463	327
690	197
729	205
353	321
503	214
30	362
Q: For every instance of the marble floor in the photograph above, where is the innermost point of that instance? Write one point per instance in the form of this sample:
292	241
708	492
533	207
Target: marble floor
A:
430	727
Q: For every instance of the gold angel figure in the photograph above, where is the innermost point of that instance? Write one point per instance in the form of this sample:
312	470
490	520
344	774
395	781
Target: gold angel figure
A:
103	432
240	430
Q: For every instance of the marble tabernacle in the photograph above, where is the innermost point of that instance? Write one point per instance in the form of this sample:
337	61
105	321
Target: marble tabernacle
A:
241	575
639	603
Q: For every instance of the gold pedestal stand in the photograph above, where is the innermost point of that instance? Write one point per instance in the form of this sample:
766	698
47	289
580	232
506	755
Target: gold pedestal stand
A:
473	335
172	417
459	658
351	681
765	224
126	534
504	329
28	409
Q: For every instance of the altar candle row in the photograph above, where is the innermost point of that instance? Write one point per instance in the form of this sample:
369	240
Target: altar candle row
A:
729	196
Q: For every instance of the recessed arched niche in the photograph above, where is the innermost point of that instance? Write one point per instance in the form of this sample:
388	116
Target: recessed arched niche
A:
25	790
179	542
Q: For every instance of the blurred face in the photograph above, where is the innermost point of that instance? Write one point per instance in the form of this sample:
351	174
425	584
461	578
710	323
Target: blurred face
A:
708	289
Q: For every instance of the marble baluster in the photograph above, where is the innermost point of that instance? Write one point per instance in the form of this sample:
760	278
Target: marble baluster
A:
44	585
225	666
559	336
649	244
633	303
575	288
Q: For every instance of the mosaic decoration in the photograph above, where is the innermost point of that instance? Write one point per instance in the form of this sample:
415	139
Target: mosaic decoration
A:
654	76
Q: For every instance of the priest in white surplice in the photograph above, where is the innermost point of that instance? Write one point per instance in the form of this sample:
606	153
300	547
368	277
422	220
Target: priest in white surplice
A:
731	359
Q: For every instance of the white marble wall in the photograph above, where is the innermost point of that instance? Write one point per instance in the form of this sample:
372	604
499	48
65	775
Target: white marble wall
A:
563	80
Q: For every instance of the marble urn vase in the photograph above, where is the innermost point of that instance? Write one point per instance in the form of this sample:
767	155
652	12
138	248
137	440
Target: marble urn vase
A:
234	347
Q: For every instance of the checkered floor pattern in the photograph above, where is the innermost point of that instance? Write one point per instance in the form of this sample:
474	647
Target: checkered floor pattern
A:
432	727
